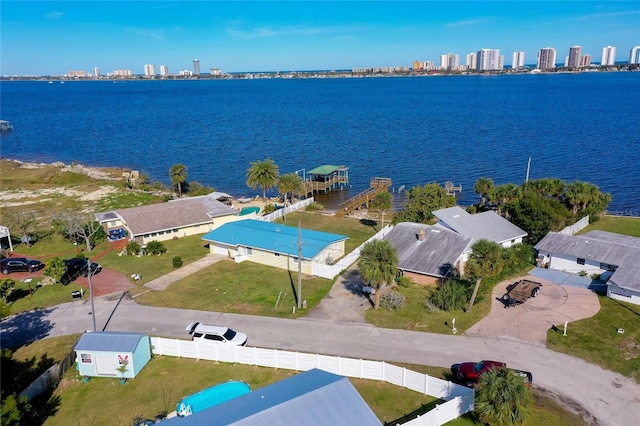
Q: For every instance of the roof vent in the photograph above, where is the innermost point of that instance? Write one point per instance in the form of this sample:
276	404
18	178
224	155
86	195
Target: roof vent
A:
421	234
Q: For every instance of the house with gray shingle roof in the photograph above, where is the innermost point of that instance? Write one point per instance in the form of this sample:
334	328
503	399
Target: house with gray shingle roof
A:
428	254
275	244
481	226
175	218
614	257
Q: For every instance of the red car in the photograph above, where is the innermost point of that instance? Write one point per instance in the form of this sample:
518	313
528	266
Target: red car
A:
471	371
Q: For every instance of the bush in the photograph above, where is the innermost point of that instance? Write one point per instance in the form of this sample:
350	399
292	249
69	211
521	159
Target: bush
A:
452	295
133	248
269	208
156	247
177	262
392	300
404	281
315	206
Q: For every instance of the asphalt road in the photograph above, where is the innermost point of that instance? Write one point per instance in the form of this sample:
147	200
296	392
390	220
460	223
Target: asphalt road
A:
612	398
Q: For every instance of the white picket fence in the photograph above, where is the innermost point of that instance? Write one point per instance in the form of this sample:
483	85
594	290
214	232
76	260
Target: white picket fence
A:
459	399
330	271
286	210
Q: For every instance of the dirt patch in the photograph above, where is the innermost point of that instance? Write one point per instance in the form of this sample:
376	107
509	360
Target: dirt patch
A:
571	405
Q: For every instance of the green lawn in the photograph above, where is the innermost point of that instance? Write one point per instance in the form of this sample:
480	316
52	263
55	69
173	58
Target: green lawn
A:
30	296
244	288
597	340
616	224
414	316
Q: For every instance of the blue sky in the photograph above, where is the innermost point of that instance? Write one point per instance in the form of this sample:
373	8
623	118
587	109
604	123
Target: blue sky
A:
54	37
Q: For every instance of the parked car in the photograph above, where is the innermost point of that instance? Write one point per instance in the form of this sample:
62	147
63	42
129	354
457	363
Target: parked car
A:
77	266
216	334
471	371
20	264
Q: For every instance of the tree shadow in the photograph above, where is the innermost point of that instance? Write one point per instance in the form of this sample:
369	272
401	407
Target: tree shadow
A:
371	223
25	328
44	406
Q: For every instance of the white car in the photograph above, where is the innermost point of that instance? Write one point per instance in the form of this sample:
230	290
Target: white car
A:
216	334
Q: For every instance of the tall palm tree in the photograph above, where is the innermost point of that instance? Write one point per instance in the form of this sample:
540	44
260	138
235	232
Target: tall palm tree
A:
263	174
378	265
502	398
483	187
178	174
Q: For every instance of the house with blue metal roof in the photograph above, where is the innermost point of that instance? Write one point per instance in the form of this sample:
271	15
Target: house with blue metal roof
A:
274	244
103	353
314	397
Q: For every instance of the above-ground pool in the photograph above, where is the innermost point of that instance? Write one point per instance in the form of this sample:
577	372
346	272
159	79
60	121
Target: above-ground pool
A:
211	396
249	210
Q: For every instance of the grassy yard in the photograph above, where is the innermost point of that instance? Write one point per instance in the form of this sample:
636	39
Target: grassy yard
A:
244	288
616	224
165	380
414	316
30	296
357	230
597	340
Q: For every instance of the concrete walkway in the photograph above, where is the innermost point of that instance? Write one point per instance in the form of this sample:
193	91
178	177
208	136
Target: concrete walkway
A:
160	284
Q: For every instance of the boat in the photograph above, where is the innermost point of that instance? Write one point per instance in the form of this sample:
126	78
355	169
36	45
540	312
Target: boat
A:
209	397
6	126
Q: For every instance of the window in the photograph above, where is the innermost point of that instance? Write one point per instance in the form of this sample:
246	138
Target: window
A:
85	358
580	261
213	337
113	224
608	267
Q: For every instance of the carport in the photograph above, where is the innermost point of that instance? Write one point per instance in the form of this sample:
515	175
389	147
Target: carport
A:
565	278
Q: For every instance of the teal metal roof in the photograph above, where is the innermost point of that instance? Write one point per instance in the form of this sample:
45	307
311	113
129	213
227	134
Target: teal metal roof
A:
326	169
272	237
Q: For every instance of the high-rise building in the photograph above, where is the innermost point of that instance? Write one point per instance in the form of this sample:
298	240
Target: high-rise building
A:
634	55
608	56
574	57
489	59
196	67
585	61
472	61
96	72
450	61
149	70
518	60
418	65
546	58
164	70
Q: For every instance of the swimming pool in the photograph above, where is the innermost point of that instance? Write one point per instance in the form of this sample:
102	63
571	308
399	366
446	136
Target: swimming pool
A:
209	397
249	210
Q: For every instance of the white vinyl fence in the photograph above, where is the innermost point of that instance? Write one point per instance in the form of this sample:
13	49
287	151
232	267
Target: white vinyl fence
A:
330	271
459	399
578	226
285	210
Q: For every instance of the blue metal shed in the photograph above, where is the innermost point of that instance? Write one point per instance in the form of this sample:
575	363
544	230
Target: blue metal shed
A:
103	353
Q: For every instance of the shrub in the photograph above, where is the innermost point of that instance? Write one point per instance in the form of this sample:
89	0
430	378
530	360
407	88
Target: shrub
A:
315	206
156	247
430	307
177	262
404	281
133	248
392	300
269	208
452	295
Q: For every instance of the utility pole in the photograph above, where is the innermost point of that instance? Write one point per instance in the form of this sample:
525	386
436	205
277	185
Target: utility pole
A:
93	310
299	267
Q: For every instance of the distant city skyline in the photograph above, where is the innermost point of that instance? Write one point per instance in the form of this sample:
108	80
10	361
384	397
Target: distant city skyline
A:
52	37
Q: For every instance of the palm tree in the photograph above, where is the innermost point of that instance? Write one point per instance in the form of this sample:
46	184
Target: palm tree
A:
178	174
290	183
483	187
382	202
502	398
263	174
378	265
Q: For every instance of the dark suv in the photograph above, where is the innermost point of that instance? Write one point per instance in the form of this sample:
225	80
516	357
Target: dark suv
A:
20	264
78	266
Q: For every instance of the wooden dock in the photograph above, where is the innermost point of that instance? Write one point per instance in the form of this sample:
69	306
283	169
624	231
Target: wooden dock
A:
326	178
363	199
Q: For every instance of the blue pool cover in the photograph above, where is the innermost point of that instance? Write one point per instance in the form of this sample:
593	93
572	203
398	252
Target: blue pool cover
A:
211	396
249	210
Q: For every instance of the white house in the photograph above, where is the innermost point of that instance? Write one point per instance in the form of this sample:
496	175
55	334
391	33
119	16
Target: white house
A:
614	257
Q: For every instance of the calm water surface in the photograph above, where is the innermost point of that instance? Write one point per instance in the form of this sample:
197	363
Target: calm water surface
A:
413	130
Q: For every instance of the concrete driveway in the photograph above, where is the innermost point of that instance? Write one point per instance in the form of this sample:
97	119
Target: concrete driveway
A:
531	320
